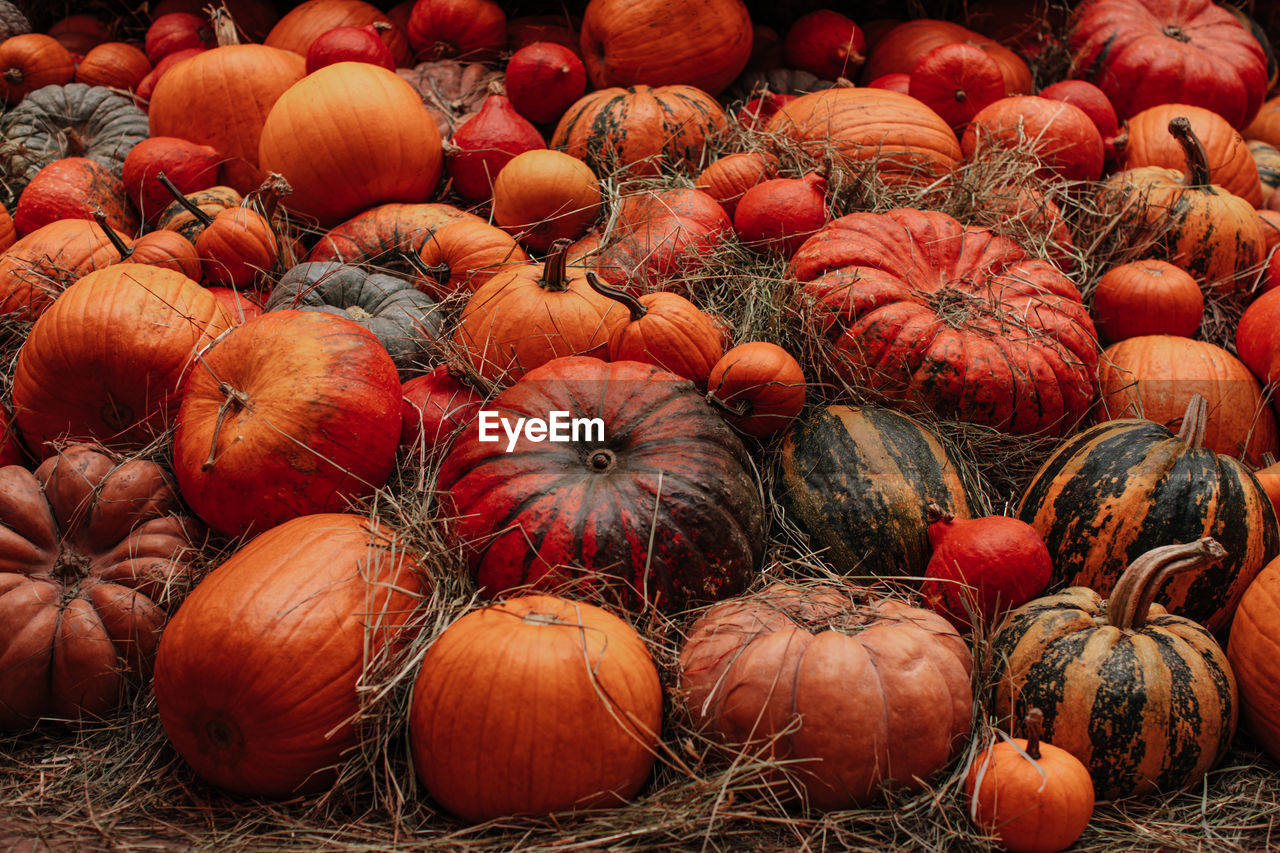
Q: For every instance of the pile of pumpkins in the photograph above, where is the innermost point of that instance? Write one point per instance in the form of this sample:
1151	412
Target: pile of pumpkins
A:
316	265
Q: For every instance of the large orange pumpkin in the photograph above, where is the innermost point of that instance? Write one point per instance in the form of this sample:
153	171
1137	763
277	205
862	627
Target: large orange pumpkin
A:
898	51
350	136
256	678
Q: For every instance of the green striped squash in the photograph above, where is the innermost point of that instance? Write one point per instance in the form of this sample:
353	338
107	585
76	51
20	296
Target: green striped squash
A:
1267	159
860	480
1123	487
1146	700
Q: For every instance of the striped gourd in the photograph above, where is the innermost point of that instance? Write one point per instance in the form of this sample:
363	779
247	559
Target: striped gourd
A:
1146	700
860	481
1121	488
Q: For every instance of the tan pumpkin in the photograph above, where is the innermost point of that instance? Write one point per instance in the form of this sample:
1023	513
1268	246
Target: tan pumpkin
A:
543	196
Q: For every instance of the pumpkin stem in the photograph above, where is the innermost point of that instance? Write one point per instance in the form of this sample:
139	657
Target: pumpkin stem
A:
554	276
1194	422
1034	723
381	27
440	273
1193	150
935	513
224	26
738	410
497	87
274	188
634	305
13	76
75	143
190	206
101	218
233	399
1130	601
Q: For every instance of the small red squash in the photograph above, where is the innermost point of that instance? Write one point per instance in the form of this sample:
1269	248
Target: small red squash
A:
1256	341
543	80
190	166
1096	105
729	177
350	44
436	405
486	142
335	590
827	44
73	188
759	388
469	30
778	215
177	31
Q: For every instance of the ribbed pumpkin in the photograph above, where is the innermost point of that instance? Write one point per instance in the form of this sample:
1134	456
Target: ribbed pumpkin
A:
543	196
462	255
956	81
703	44
1147	142
115	64
1252	652
783	673
656	502
1147	297
8	236
1064	138
42	264
322	133
1155	377
859	480
178	216
221	97
382	235
1256	340
306	401
482	765
73	188
107	360
1145	699
533	313
32	61
640	130
1121	488
335	590
95	550
926	312
729	177
1206	230
474	30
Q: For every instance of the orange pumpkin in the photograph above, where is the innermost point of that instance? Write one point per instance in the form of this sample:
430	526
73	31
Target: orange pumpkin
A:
899	49
1251	651
480	763
382	235
38	267
179	216
729	177
1064	138
32	61
8	235
543	196
1148	142
350	136
1147	297
464	253
167	249
115	64
759	388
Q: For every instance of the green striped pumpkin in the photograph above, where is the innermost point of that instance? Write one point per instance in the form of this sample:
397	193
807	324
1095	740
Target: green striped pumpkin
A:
860	480
1267	159
1123	487
1146	700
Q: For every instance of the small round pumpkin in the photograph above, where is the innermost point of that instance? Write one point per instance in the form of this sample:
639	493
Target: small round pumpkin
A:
463	254
1256	341
730	176
540	197
1063	136
1147	297
1147	142
32	61
481	764
957	81
115	64
759	387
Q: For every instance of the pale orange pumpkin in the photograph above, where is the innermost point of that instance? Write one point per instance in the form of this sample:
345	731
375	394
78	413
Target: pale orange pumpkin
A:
543	196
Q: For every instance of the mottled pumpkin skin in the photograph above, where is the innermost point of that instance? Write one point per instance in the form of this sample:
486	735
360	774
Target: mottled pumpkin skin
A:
668	469
1149	709
1121	488
860	481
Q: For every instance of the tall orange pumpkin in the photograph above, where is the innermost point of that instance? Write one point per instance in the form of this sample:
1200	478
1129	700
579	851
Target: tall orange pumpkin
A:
350	136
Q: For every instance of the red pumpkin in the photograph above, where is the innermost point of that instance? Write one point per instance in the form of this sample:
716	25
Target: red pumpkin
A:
956	81
1064	138
177	31
486	142
80	33
73	188
190	166
899	49
1256	341
335	590
826	44
1095	104
309	20
895	81
779	215
350	44
470	30
728	178
146	88
326	436
759	388
436	405
114	64
981	567
543	80
1147	297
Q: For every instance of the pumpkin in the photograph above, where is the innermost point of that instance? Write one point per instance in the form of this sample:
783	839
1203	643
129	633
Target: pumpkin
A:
1148	142
474	30
74	120
320	132
540	197
899	49
8	236
1118	489
956	81
1146	297
1095	104
758	387
436	405
1145	699
664	329
324	435
825	43
1266	124
653	502
1251	651
729	177
307	21
640	130
95	552
237	245
384	234
115	64
32	61
1065	140
146	88
222	98
705	45
1266	158
1031	218
1256	341
531	314
778	215
481	765
463	254
859	480
405	320
981	567
926	312
73	188
335	589
452	91
871	130
107	360
42	264
784	672
562	29
350	44
189	166
167	249
485	143
1147	52
175	31
179	216
253	17
1155	376
543	80
1031	795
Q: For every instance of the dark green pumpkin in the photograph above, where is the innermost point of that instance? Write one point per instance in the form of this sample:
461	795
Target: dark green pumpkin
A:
1146	700
860	480
74	120
1123	487
405	319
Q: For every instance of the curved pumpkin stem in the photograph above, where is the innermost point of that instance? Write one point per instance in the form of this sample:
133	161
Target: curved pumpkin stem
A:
634	305
1131	598
190	206
1034	724
224	26
1193	150
554	275
1194	422
274	188
738	410
233	399
101	218
440	273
